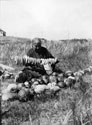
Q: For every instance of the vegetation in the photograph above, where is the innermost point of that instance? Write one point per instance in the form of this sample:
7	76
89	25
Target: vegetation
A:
71	106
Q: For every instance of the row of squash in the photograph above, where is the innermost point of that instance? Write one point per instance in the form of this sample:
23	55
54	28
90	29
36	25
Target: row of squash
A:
26	60
46	84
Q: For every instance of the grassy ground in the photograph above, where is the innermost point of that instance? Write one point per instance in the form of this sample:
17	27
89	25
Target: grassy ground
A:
71	106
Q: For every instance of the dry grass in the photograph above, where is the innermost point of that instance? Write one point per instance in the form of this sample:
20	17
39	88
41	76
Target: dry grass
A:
71	106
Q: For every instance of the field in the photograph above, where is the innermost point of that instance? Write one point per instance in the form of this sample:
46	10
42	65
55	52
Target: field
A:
70	106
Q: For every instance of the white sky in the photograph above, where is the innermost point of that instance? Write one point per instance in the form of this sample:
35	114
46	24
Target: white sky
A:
51	19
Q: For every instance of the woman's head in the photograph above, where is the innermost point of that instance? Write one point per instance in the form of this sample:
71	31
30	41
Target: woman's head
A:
36	43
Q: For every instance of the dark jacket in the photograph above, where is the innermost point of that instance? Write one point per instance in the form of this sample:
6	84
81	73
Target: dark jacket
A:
41	53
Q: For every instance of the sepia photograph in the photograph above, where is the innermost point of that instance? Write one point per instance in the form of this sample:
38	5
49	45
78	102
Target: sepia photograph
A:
45	62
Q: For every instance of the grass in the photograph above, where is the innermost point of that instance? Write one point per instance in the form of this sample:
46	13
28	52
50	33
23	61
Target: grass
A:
66	109
71	106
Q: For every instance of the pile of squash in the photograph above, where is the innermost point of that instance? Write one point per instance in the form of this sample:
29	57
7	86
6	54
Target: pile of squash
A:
46	84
